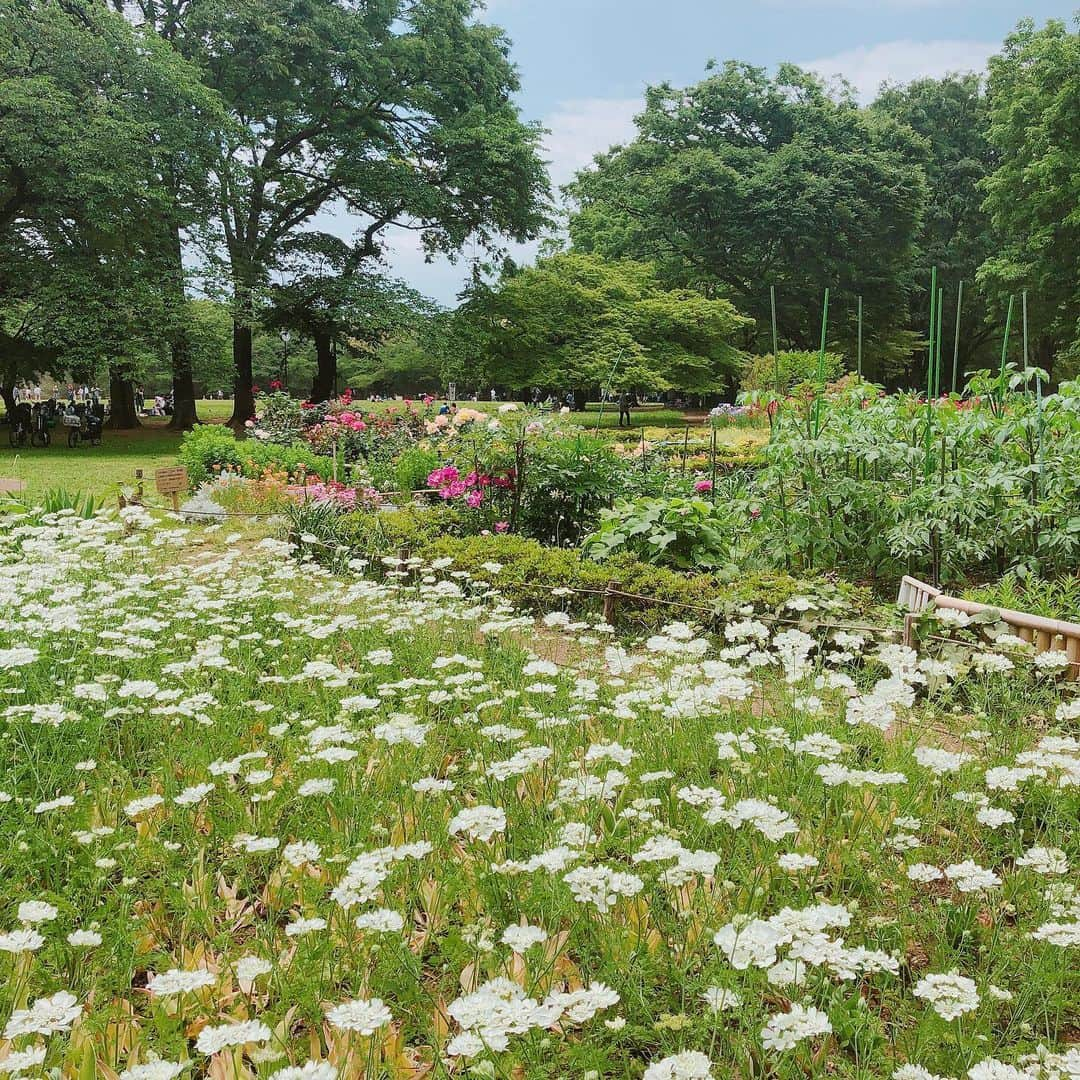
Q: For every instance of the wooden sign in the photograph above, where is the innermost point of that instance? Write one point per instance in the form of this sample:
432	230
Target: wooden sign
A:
171	481
9	485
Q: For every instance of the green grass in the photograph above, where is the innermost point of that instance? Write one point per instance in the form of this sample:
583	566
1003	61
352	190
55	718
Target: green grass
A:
100	470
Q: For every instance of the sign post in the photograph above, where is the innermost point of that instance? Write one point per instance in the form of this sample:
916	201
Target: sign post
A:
171	481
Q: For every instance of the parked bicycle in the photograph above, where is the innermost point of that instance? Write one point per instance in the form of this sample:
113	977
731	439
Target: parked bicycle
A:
29	425
83	424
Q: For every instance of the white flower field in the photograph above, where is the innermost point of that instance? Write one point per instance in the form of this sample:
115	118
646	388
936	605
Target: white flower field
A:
260	820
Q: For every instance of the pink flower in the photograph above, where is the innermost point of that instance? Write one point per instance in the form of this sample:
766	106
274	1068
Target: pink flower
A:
474	498
502	526
703	485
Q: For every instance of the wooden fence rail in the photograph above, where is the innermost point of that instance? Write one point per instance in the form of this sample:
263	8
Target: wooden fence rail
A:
1045	634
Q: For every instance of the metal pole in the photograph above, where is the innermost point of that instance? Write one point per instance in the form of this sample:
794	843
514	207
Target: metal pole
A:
1005	342
821	365
1023	306
930	349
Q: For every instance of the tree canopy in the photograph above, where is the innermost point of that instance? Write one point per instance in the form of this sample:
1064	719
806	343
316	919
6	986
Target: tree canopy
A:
582	321
399	111
746	180
1033	195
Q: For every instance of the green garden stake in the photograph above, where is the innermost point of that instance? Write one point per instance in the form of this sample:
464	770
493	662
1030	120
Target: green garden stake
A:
860	340
930	371
821	365
956	336
930	347
775	347
1023	310
937	346
1005	344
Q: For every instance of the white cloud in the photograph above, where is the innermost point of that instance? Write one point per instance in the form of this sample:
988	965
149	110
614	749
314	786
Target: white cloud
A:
578	130
582	128
890	5
868	66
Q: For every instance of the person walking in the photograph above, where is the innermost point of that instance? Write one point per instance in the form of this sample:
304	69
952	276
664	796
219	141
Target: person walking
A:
624	408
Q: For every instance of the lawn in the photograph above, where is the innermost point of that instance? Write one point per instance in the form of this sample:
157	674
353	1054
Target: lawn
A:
100	469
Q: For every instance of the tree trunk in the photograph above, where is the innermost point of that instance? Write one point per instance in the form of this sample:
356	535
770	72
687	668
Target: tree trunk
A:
243	377
325	381
123	416
8	394
184	417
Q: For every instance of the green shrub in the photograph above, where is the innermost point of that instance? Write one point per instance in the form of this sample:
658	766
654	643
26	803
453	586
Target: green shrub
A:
795	368
208	449
530	574
567	481
296	459
413	526
413	468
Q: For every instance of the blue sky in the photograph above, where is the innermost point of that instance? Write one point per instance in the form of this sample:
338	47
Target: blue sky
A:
585	63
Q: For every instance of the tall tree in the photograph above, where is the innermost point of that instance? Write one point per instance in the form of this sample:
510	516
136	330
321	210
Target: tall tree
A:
745	181
398	110
586	323
331	298
1033	194
88	105
951	117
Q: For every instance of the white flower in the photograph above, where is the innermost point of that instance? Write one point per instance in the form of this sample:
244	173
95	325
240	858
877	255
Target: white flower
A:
363	1016
192	795
720	999
924	872
155	1070
21	941
479	822
968	876
784	1030
300	927
602	886
32	912
21	1061
17	657
179	981
520	938
382	920
793	862
689	1065
84	939
249	968
141	806
310	1070
301	852
951	995
46	1016
1045	860
211	1040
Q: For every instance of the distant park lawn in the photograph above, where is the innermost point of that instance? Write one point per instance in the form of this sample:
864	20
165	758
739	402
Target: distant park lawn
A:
101	470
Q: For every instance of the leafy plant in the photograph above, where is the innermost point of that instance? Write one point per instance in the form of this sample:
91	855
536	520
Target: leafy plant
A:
688	533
